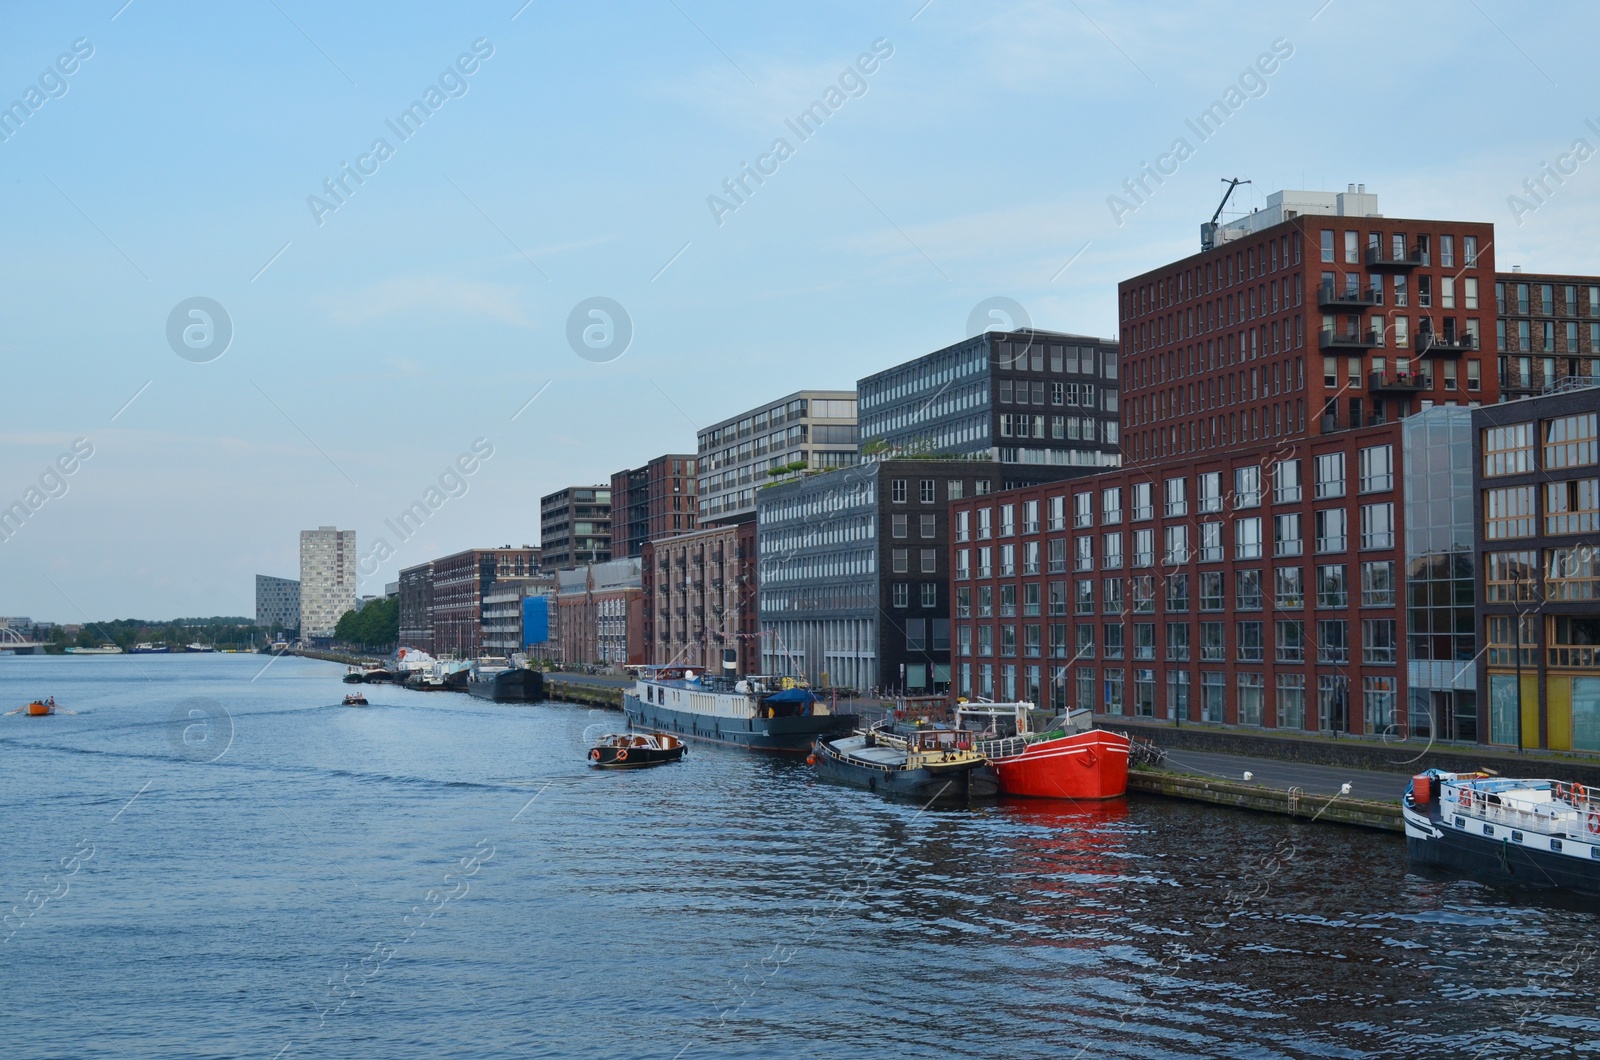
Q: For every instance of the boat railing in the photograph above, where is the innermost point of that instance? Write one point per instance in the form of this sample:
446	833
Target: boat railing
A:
1006	747
1573	812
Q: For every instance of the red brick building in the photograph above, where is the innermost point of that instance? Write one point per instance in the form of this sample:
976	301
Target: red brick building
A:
700	598
458	583
1244	566
652	501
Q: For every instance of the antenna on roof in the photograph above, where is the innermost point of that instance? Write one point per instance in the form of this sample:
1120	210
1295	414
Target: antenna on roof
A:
1208	231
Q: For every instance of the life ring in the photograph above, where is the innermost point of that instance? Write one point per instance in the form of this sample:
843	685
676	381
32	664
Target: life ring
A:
594	756
811	760
899	715
622	754
1594	820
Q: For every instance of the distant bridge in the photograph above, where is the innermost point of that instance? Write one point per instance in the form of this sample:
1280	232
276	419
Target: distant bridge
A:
13	641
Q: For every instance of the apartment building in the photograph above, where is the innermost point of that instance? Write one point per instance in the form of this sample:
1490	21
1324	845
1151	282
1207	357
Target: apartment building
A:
700	599
656	500
575	527
806	431
327	579
1030	397
1535	498
1547	332
459	583
277	603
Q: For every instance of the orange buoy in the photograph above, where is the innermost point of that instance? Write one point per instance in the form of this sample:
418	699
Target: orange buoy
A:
811	760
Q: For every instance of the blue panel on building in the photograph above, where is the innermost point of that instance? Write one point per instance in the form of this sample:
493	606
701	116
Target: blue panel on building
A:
535	620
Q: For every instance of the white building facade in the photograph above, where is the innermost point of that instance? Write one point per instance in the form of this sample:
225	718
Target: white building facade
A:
327	578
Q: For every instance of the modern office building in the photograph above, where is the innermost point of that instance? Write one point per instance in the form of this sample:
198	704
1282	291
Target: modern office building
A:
700	599
600	614
652	501
854	580
505	613
327	579
459	584
416	607
1028	397
1536	500
1311	316
1548	331
277	603
808	430
575	527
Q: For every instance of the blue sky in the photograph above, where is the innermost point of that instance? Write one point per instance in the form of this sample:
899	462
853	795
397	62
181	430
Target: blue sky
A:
577	160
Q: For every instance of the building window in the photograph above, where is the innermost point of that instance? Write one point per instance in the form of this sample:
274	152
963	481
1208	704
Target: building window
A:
1291	701
1008	641
1330	475
1008	520
1286	539
1333	640
902	594
1377	468
1083	597
1570	574
1330	526
1177	544
930	560
929	525
1211	598
1378	704
1508	450
1083	553
1058	513
1111	506
1331	588
897	490
1508	512
901	560
1247	487
1247	590
1291	641
1212	687
1570	441
927	492
1210	542
1178	693
897	523
963	533
1058	598
1572	507
1082	509
1177	593
1177	642
1250	695
1247	538
1212	645
1111	596
1377	583
1144	640
1114	700
1250	644
1209	489
930	595
1327	245
1377	525
963	564
984	528
1144	546
1177	502
1112	644
1143	508
1030	600
1504	635
1085	641
1286	482
964	602
1289	593
1377	640
1111	551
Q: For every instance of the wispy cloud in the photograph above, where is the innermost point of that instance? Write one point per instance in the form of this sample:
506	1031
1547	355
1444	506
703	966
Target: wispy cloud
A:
427	295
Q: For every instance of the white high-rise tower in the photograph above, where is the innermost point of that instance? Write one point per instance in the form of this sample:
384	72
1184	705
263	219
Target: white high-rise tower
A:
327	578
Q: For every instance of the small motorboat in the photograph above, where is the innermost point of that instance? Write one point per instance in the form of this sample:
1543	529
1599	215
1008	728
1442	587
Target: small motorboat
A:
355	699
636	750
935	764
41	708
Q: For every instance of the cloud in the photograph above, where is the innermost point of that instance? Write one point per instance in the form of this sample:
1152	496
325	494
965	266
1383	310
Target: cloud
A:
427	294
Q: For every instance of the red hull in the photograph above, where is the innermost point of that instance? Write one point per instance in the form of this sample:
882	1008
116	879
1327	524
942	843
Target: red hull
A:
1085	765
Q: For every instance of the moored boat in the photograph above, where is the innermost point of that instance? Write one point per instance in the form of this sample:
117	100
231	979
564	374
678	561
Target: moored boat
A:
1539	833
756	713
352	676
929	765
147	648
1040	755
505	683
104	649
635	750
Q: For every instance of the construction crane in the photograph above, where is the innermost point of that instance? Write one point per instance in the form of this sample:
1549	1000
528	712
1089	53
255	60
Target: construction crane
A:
1208	231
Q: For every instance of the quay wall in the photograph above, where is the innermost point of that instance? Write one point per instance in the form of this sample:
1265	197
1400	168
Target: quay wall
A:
1338	809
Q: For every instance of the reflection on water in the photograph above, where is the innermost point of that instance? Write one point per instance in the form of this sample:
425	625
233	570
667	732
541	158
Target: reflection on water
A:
309	890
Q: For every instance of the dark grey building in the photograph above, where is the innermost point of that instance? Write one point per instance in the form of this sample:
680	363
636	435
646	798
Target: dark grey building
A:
1019	397
1536	484
854	569
277	603
575	527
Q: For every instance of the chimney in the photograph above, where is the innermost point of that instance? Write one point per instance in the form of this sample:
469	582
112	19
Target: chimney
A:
1350	189
1361	189
1516	268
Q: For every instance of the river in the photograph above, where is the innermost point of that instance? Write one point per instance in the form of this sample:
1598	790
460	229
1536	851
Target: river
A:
212	859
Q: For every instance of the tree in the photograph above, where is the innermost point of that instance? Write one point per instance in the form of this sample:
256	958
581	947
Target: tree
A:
377	625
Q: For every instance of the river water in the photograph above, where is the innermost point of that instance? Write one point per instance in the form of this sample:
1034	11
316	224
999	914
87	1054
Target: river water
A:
212	860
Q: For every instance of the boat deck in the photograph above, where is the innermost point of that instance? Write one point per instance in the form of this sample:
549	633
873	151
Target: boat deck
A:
856	747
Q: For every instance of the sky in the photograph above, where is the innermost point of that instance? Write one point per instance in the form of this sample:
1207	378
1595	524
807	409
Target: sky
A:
355	343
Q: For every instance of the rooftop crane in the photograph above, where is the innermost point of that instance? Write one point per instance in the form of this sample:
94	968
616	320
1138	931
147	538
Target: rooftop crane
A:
1208	231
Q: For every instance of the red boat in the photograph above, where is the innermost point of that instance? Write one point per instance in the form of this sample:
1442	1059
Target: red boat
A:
1048	757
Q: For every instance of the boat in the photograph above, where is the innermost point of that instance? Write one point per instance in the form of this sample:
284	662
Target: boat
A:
1539	833
932	764
352	676
104	649
1041	755
634	750
41	708
198	649
147	648
355	699
279	647
505	681
755	713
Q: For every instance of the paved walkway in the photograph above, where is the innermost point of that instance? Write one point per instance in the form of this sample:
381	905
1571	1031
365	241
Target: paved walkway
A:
1312	779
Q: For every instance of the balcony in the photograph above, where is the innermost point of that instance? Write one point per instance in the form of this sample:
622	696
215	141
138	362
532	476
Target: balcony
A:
1396	382
1329	339
1446	345
1381	258
1335	299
